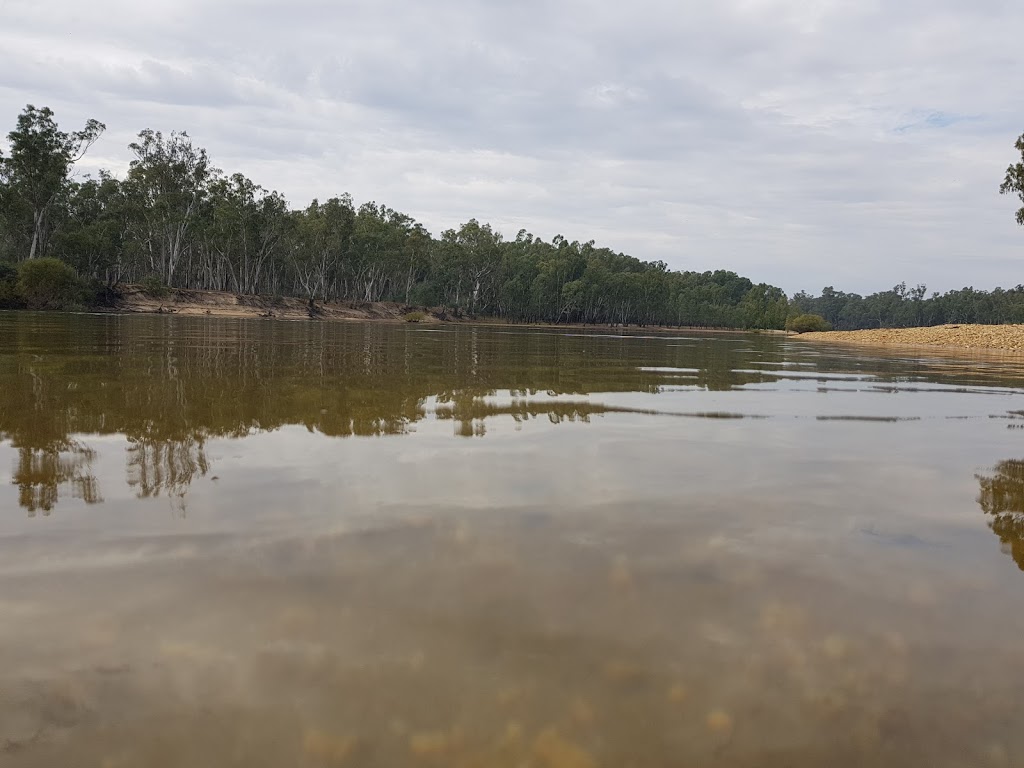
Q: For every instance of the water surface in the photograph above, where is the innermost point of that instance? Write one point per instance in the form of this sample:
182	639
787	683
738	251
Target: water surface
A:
262	544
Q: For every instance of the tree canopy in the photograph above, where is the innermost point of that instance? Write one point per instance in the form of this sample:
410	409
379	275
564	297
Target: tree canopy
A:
36	173
1014	181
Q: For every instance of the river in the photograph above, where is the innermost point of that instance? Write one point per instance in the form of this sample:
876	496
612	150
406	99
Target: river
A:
260	543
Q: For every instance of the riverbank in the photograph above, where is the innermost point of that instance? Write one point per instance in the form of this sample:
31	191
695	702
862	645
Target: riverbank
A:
1006	338
180	301
134	299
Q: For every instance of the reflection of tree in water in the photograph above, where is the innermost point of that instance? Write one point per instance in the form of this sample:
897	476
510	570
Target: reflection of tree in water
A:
470	411
169	386
1002	497
166	467
41	472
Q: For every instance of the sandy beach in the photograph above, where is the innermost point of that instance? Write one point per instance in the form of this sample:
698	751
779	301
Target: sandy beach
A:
1007	338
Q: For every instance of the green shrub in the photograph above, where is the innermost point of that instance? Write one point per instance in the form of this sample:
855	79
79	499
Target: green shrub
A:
807	324
415	317
153	287
9	296
48	284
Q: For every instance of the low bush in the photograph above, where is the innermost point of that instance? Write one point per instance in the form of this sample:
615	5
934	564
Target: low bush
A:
153	287
807	324
48	284
415	317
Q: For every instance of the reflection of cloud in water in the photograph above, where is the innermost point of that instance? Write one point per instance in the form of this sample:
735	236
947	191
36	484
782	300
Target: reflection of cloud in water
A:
619	634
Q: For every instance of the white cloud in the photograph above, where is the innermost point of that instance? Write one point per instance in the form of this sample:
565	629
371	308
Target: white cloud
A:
855	144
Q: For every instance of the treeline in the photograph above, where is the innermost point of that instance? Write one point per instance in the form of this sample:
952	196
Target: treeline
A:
902	307
176	220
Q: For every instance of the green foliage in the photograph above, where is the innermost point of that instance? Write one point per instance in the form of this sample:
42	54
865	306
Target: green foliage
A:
154	287
167	188
92	236
35	176
9	296
48	283
903	307
425	294
807	324
415	317
1014	181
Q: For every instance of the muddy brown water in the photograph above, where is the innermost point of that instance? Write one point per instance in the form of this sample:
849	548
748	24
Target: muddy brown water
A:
257	543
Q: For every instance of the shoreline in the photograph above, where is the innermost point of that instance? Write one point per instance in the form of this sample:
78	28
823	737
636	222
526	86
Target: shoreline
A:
184	302
133	299
1006	339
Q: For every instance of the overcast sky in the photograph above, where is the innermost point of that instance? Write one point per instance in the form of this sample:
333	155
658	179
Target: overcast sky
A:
853	143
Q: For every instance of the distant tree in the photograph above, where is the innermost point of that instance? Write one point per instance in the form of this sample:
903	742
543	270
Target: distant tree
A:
166	187
244	232
1014	181
41	159
92	236
323	236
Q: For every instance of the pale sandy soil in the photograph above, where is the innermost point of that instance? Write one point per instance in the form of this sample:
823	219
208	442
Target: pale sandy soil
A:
1009	338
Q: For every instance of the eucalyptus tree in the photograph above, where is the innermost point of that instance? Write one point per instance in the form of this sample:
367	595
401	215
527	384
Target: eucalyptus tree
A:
323	234
245	230
518	270
559	262
415	258
92	239
167	185
481	257
1013	183
37	171
378	234
466	262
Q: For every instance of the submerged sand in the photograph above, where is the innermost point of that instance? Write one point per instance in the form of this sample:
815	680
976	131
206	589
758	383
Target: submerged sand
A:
998	337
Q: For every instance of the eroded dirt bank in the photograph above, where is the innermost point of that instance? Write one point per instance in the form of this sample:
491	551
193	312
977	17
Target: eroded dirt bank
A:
179	301
1009	338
